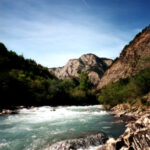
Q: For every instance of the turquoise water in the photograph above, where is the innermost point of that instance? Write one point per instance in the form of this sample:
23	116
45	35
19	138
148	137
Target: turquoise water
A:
37	128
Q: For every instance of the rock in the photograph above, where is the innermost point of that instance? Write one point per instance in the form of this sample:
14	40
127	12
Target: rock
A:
85	142
101	107
7	111
123	111
94	77
110	145
135	137
128	117
133	58
20	107
94	65
117	121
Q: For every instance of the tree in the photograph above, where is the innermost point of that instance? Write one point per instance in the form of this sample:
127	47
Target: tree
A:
84	81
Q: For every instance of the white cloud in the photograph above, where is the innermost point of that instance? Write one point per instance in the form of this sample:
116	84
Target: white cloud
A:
53	38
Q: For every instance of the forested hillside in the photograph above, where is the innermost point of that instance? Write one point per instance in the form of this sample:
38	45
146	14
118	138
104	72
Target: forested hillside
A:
134	90
24	82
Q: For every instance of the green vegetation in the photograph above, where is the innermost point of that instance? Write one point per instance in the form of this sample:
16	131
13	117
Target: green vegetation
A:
24	82
127	90
84	81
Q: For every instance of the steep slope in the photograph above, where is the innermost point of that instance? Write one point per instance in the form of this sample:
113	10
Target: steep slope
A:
134	58
89	62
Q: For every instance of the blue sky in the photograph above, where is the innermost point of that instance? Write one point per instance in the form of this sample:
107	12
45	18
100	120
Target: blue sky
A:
54	31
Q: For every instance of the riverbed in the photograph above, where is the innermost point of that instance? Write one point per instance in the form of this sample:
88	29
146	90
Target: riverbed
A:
39	127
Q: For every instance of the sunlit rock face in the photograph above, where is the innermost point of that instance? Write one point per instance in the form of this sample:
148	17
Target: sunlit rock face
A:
135	137
94	65
133	58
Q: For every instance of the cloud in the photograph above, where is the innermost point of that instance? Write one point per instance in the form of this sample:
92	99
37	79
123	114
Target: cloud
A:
52	34
52	44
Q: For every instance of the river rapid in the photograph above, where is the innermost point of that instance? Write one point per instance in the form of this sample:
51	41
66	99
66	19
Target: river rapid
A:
39	127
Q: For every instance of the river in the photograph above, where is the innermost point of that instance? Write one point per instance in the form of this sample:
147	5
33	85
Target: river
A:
37	128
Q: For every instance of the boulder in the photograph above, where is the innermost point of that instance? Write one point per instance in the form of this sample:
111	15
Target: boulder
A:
135	137
84	142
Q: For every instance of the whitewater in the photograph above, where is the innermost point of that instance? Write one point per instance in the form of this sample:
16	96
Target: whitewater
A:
38	127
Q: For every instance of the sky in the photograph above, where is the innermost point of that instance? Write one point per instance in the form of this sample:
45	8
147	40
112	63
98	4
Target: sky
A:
53	31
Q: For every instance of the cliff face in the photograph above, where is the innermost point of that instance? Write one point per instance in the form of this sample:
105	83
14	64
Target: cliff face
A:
133	58
94	65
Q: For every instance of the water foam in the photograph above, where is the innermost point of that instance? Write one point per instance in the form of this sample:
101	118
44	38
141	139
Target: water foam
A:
36	127
47	113
91	148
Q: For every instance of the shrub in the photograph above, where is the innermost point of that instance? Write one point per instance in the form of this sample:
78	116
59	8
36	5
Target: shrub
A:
126	90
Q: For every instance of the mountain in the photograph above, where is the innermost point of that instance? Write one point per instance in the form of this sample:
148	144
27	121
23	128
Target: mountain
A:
134	57
94	65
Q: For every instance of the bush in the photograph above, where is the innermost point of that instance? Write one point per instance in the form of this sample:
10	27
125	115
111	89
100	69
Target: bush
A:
126	90
114	94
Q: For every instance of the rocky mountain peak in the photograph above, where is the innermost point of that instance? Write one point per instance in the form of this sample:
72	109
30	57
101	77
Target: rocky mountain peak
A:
91	63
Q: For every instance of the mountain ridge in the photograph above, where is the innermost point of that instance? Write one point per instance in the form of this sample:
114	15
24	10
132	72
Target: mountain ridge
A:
133	58
94	65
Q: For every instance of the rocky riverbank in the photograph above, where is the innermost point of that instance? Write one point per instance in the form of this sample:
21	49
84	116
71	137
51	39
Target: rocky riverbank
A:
7	111
137	133
11	110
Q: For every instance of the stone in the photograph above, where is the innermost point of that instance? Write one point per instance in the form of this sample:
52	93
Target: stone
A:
135	137
84	142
